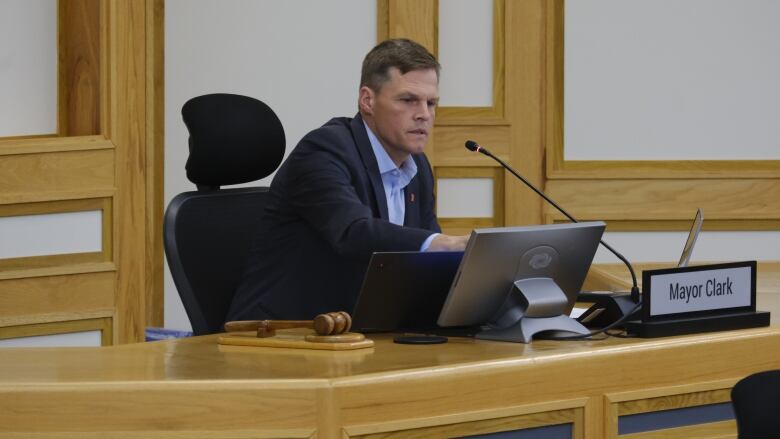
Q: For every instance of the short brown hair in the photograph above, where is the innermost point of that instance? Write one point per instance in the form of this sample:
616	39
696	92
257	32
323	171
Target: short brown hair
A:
401	53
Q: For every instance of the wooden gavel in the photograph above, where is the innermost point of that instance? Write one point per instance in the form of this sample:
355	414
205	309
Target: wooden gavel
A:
332	323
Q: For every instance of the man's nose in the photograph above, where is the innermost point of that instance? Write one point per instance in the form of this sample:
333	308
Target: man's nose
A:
424	112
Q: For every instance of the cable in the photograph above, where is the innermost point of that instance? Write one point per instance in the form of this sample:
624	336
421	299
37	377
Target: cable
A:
600	331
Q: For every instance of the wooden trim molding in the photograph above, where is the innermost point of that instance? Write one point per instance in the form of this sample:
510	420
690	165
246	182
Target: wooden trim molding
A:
41	144
58	270
673	225
103	324
661	169
729	204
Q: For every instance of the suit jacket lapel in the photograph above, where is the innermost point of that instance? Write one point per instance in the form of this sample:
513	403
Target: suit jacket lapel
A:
369	161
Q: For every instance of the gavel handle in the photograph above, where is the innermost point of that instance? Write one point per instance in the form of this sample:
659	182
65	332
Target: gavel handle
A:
272	325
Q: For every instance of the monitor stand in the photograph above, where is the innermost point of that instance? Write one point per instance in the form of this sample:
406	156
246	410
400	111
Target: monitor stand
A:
533	305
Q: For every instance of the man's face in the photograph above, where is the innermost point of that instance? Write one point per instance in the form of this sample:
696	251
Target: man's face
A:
401	113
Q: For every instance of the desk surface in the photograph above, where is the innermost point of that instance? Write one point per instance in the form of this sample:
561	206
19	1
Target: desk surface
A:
197	388
202	359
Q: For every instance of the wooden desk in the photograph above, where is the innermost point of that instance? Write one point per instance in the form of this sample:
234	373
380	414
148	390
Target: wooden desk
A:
195	388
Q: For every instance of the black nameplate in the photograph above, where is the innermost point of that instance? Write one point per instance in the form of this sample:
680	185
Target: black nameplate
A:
702	298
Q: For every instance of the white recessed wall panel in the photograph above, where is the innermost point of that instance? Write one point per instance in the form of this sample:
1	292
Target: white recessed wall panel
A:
301	57
464	198
28	67
51	234
74	339
710	246
672	80
466	53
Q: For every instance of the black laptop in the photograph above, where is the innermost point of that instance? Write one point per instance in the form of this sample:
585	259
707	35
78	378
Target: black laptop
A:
404	291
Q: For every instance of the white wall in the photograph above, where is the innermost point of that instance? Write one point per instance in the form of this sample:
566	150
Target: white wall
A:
28	67
671	79
301	57
466	53
674	80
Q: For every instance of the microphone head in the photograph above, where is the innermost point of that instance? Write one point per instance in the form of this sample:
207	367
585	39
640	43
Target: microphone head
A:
472	145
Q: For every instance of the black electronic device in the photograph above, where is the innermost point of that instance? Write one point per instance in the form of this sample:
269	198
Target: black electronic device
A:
404	291
521	281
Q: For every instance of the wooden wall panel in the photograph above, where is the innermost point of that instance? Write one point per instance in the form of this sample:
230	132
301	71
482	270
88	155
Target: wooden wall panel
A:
155	163
127	110
525	64
416	20
56	295
67	171
749	204
450	144
647	195
109	148
79	75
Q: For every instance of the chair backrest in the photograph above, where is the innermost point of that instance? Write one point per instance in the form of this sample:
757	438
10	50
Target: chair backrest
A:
756	400
207	239
207	233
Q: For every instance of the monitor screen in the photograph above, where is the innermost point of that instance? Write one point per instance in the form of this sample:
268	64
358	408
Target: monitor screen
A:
495	258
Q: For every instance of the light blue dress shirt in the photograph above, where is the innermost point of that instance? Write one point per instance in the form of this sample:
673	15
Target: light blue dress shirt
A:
395	179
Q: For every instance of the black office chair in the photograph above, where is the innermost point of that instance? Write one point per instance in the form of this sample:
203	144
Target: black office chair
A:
233	139
756	400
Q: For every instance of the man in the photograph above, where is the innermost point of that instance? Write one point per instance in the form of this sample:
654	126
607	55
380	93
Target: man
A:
348	189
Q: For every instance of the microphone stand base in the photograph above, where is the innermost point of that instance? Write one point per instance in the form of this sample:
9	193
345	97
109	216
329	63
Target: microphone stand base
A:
608	308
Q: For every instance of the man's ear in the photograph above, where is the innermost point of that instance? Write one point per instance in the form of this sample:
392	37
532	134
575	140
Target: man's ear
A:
366	100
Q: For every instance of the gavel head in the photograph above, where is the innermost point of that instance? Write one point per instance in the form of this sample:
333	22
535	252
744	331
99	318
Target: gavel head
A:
332	323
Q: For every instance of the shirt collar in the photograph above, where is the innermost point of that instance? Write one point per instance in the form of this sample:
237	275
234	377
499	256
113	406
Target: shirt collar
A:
386	164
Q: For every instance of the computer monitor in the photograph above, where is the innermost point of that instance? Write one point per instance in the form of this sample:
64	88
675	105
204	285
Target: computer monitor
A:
522	280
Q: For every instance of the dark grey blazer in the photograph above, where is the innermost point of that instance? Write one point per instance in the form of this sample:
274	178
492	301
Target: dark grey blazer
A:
326	214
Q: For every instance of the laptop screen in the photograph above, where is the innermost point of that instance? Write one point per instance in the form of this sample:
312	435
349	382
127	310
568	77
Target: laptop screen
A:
685	257
404	290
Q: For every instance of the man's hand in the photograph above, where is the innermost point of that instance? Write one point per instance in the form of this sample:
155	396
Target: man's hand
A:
447	243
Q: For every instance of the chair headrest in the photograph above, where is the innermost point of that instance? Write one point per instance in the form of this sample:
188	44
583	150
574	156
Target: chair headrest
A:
233	139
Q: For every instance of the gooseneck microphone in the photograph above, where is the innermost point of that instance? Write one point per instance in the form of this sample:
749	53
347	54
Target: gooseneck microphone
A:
474	146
